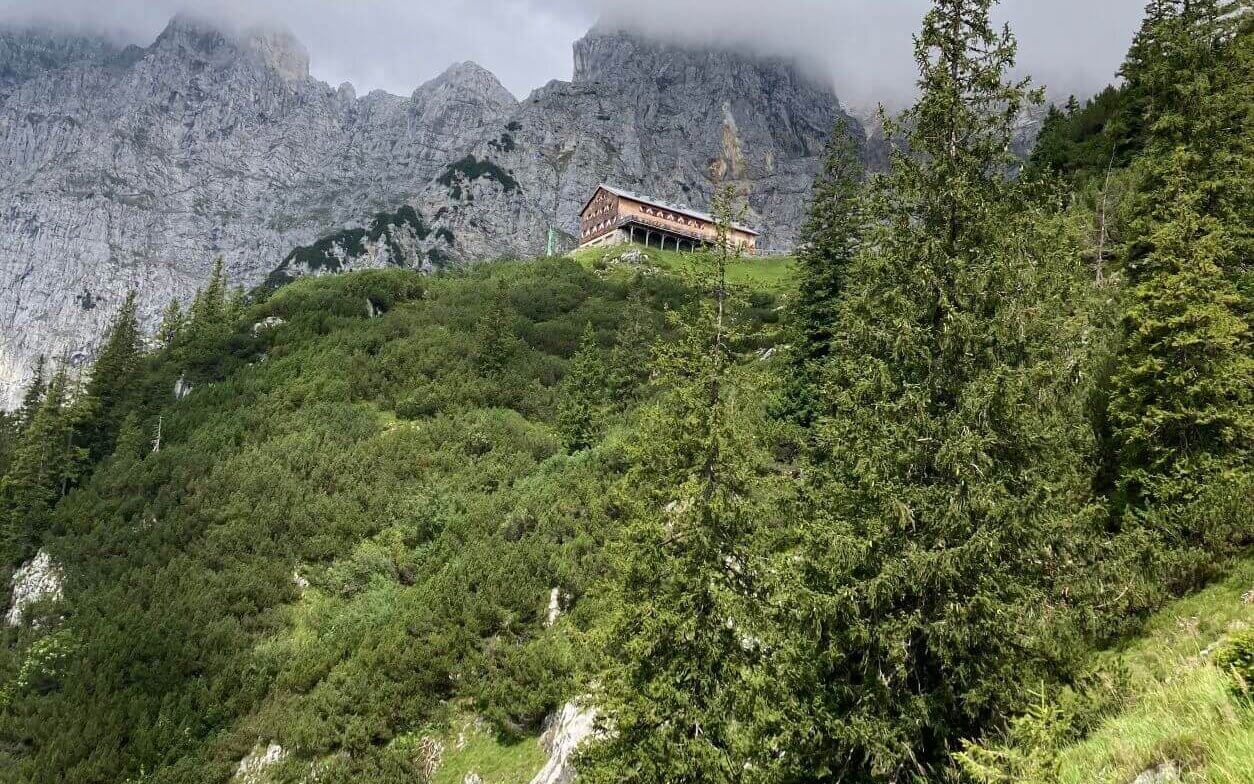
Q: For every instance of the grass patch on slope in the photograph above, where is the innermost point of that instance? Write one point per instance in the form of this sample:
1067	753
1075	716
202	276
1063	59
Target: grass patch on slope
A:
475	748
1182	710
1158	706
1191	722
776	274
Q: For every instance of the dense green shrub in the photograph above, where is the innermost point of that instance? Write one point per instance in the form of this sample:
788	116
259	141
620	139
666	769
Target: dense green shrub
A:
1236	657
469	169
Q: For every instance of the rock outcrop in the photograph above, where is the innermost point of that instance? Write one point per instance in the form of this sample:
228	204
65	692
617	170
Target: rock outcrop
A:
38	579
554	610
252	768
134	168
1165	773
563	732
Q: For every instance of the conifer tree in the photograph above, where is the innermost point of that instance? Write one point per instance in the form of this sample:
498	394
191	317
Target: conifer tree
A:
627	368
172	323
1052	143
680	638
1184	402
201	346
236	304
34	394
132	441
495	341
947	478
1183	405
1147	48
210	305
583	397
8	439
45	463
114	376
829	240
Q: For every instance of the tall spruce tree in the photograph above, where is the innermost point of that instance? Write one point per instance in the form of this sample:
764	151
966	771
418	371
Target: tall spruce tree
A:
45	463
583	397
236	304
1183	400
172	322
8	439
495	341
948	476
204	334
111	390
210	304
627	367
829	240
34	394
679	641
1130	123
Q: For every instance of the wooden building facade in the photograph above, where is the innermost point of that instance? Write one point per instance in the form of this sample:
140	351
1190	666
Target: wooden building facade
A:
614	216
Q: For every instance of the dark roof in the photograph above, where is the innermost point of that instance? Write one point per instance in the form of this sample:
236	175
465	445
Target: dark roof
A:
691	213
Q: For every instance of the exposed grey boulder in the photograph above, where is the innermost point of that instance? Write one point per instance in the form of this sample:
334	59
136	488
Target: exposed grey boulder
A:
252	768
563	732
38	579
1164	773
268	323
554	610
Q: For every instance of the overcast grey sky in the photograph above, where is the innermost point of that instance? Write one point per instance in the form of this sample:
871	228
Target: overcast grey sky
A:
1072	45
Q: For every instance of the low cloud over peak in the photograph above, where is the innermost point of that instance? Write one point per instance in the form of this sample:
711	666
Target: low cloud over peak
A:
864	46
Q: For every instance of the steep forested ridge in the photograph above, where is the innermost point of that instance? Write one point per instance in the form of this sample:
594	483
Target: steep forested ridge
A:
968	500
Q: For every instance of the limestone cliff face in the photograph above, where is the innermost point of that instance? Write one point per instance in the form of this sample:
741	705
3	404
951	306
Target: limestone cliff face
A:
671	121
27	53
135	167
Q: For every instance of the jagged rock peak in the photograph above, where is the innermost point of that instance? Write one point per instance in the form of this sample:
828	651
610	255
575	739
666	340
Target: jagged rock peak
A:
615	55
273	46
27	51
191	32
282	52
468	78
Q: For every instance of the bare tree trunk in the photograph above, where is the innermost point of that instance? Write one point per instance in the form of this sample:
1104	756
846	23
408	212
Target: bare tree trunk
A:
955	74
1101	222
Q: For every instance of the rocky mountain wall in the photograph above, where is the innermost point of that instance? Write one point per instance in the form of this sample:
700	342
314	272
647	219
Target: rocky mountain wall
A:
136	167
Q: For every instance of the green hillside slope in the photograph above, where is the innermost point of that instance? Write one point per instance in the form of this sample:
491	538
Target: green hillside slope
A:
962	494
347	540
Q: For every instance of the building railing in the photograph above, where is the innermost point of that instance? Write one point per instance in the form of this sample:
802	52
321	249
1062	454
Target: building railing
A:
654	223
686	233
663	226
